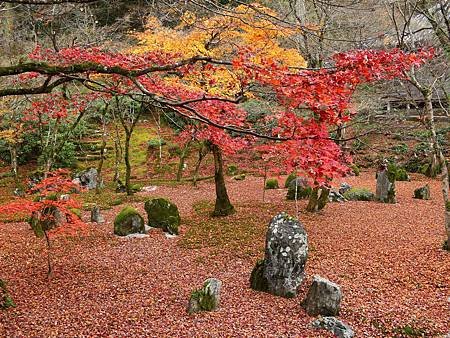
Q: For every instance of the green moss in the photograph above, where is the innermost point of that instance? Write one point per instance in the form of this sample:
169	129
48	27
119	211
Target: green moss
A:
128	221
163	214
6	300
156	142
203	299
272	183
355	169
359	194
76	212
232	170
289	179
302	193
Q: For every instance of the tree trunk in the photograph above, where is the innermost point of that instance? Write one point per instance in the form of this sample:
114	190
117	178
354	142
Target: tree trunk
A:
49	262
202	152
100	163
183	156
14	166
318	199
127	164
223	206
427	95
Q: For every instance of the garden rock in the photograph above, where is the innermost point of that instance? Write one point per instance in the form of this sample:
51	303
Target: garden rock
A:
335	196
50	218
96	216
87	179
323	298
359	194
301	185
207	298
285	258
128	221
344	187
163	214
422	193
334	325
385	191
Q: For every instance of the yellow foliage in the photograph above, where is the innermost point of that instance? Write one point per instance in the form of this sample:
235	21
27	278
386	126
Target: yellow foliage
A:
221	37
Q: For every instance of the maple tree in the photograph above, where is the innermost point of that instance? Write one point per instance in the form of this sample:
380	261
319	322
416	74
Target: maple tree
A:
48	212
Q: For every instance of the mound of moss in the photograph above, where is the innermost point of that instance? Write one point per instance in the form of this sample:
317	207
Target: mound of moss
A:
359	194
163	214
128	222
272	183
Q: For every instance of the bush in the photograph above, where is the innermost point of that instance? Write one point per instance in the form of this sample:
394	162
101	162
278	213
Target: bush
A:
67	157
399	172
272	183
232	169
289	179
156	142
359	194
355	169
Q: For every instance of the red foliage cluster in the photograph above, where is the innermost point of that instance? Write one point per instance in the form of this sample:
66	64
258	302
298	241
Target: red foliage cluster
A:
306	140
47	194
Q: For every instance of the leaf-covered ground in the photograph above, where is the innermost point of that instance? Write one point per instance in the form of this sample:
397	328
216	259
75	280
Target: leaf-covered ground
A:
387	258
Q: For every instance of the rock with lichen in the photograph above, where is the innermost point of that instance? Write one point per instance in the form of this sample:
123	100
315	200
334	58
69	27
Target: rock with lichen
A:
206	298
282	270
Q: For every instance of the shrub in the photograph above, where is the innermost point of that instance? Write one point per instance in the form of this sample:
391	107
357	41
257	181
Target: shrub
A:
272	183
232	169
355	169
359	194
156	142
289	179
399	173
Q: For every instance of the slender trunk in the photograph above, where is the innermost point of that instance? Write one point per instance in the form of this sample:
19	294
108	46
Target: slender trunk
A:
49	262
427	94
183	156
223	206
100	163
14	166
318	199
201	155
264	183
127	164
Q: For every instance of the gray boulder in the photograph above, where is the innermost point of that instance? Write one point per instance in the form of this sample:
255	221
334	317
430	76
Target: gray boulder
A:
128	221
323	298
207	298
96	216
334	325
87	179
422	193
282	270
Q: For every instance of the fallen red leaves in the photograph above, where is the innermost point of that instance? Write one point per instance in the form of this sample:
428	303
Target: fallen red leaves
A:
387	258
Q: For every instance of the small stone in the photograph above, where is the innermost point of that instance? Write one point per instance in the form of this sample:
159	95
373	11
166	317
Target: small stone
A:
323	298
422	193
207	298
64	197
337	327
96	216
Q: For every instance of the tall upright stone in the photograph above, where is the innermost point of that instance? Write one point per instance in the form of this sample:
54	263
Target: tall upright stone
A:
385	191
282	270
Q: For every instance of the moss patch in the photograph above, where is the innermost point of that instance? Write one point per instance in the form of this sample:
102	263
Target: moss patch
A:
128	221
163	214
359	194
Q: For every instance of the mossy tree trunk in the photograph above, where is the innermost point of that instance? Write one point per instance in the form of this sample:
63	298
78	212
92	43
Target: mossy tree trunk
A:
318	199
14	166
127	164
183	155
102	152
223	206
202	152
